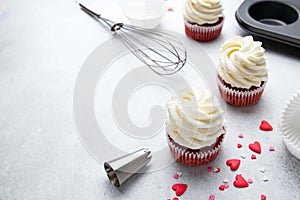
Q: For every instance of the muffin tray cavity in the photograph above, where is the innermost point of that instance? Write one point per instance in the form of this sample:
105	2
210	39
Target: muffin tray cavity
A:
277	20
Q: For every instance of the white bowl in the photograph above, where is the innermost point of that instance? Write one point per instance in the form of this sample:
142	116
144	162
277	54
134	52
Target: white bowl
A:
290	125
144	13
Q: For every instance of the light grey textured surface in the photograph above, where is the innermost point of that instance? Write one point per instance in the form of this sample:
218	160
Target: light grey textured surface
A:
42	47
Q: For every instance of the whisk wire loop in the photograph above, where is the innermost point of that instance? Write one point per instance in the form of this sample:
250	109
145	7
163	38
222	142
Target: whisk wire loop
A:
162	52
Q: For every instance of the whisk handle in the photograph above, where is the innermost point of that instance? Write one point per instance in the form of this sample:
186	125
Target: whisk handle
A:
112	25
88	11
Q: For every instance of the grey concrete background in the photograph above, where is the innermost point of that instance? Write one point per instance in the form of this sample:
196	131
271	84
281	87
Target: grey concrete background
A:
42	47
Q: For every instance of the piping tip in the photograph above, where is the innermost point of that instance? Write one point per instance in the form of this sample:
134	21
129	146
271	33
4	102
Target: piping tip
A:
119	170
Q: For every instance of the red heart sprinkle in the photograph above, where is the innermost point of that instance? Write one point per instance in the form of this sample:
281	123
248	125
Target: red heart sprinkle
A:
271	148
211	197
250	181
240	182
255	147
265	126
175	198
179	188
239	146
233	163
253	156
175	176
209	169
263	197
226	186
222	187
170	9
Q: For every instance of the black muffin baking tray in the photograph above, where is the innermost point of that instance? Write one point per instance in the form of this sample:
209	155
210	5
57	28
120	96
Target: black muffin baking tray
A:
276	20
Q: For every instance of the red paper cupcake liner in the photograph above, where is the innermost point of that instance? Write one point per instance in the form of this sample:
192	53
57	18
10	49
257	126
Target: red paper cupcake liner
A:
204	32
238	97
194	157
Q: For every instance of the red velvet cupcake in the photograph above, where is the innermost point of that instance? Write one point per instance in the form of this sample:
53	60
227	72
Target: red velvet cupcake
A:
240	96
205	32
203	20
195	127
194	157
242	72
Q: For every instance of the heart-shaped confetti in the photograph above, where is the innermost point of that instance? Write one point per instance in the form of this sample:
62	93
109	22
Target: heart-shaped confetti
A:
222	187
241	135
176	176
240	182
209	169
175	198
263	197
239	146
255	147
253	156
170	9
211	197
271	148
250	181
233	163
226	185
265	126
179	188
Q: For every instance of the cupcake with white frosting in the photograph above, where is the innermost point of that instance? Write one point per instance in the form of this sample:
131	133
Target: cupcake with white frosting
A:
203	19
242	72
195	126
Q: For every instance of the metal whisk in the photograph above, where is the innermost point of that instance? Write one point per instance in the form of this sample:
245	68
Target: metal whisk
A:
163	53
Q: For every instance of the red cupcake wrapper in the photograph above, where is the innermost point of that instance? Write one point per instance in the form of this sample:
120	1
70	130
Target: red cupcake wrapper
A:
239	97
202	32
194	157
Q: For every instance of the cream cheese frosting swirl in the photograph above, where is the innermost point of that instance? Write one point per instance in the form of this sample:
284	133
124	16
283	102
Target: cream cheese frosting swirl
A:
194	118
242	62
202	11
